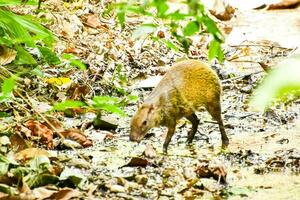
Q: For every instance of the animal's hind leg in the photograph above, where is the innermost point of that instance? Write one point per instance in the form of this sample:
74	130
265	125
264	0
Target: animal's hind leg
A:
195	122
214	109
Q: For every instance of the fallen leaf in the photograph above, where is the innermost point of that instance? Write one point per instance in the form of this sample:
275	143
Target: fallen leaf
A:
77	91
7	55
137	162
92	21
54	124
65	194
18	142
42	131
78	136
203	170
42	192
161	34
284	4
222	11
73	50
29	153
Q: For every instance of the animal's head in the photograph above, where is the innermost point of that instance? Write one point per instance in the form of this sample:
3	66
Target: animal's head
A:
146	117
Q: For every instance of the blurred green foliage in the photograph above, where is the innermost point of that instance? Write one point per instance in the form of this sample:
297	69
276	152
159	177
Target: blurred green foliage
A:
281	84
190	19
23	33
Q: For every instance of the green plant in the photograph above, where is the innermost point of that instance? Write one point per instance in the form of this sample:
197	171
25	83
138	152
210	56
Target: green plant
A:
282	83
7	88
99	103
181	24
22	33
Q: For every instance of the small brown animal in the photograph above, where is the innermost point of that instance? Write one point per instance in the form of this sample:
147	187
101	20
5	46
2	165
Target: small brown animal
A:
184	89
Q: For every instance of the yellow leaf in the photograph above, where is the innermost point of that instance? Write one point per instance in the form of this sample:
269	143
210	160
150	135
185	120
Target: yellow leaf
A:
58	81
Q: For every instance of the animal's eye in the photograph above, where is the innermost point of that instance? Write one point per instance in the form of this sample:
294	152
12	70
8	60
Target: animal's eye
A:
144	123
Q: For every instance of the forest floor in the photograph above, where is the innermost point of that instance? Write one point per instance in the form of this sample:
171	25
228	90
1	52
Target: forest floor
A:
263	157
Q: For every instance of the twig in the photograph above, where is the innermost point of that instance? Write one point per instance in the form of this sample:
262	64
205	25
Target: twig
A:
249	61
242	76
260	45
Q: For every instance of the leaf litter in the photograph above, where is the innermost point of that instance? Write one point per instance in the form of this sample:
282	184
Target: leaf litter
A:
263	158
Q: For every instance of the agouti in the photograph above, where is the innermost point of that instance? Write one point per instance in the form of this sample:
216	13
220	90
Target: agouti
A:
184	89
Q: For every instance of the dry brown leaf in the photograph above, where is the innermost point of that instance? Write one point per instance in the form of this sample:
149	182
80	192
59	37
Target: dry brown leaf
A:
29	153
4	179
222	11
7	55
77	91
23	130
203	170
161	34
18	142
65	194
78	136
284	4
92	21
42	131
265	66
137	162
73	50
42	192
54	124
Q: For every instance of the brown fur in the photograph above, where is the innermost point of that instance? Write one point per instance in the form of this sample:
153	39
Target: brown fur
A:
184	89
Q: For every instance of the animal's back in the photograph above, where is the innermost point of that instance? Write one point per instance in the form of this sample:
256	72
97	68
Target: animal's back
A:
195	82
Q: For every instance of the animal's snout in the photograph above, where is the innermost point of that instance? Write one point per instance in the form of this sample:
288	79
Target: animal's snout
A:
134	137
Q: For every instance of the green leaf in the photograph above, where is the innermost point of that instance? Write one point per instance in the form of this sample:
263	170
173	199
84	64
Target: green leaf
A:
39	163
67	105
7	88
191	28
17	2
144	30
38	72
112	108
74	61
212	28
215	51
105	99
121	18
176	15
18	33
170	45
24	29
7	189
133	98
109	104
23	57
78	63
161	7
6	42
281	82
8	85
49	56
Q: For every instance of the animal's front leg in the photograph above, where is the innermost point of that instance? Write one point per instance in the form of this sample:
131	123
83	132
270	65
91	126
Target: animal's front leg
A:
171	130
